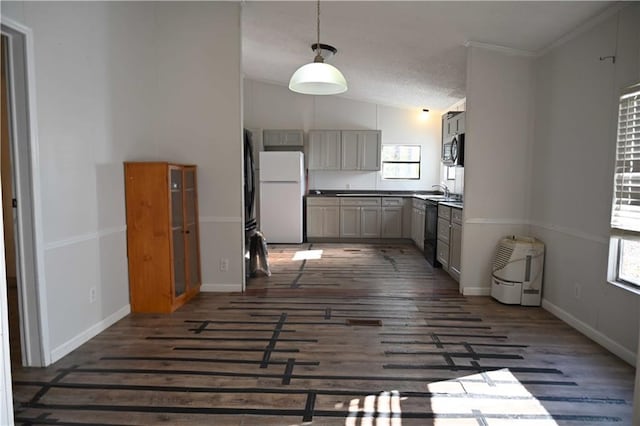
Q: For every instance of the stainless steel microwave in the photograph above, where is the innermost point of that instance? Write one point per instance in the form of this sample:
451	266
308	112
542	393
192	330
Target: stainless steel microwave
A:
453	151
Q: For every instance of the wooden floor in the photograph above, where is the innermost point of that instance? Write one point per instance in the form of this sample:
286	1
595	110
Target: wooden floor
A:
364	335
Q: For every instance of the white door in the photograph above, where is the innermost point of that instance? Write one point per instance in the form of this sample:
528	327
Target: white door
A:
281	212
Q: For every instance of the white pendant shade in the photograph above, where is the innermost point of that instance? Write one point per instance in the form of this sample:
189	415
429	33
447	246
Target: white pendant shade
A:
318	78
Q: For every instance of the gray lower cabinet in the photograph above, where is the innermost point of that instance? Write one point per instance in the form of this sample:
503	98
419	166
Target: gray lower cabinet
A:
370	222
323	217
365	217
417	223
455	243
391	218
350	222
449	247
444	224
360	217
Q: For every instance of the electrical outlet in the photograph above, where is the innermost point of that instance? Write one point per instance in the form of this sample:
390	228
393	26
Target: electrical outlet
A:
348	186
224	264
92	295
577	290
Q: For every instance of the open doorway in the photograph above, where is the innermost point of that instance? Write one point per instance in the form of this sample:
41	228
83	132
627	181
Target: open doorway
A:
19	173
6	177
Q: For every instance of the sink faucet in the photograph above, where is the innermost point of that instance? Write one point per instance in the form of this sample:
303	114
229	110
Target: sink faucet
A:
444	188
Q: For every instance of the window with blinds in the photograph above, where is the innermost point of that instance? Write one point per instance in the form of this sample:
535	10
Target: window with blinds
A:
626	203
401	161
625	214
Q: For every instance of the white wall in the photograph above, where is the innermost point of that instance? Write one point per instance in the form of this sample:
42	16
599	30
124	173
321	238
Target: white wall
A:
269	106
122	82
497	147
573	157
6	394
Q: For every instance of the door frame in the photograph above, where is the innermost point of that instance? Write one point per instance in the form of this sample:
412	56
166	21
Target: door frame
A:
32	294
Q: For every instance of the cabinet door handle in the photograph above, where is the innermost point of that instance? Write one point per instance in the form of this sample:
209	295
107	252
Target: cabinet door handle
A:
187	232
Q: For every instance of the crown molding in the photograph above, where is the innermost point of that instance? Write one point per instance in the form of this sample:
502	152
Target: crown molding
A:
502	49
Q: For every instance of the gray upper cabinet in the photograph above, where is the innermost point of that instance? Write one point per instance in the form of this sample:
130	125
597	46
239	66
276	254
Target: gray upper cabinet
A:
453	125
361	150
283	137
344	150
324	149
349	151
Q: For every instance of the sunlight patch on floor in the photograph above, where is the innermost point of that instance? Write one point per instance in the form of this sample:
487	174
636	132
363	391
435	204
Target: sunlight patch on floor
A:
498	399
307	255
376	410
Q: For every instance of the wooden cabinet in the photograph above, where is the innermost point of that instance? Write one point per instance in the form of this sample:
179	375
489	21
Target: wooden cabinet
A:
324	149
360	217
391	218
361	150
282	137
162	235
323	217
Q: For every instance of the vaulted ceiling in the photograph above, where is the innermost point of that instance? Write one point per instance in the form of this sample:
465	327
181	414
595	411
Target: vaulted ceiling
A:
409	54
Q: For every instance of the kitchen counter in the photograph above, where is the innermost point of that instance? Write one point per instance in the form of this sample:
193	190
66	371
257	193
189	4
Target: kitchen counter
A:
421	195
454	204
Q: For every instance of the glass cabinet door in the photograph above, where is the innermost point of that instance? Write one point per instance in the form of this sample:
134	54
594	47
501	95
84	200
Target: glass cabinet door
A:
191	225
177	229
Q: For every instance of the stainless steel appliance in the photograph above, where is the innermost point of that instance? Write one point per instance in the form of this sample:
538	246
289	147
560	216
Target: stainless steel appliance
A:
431	232
453	151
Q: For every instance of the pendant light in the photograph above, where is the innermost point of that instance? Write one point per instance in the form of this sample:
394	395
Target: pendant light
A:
318	77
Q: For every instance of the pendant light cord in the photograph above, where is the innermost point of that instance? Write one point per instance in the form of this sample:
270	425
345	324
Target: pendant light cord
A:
318	44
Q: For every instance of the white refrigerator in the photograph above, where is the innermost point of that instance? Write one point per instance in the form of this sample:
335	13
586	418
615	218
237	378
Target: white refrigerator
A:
281	192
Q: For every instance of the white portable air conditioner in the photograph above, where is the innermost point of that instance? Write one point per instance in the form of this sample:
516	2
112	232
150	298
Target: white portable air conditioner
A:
517	271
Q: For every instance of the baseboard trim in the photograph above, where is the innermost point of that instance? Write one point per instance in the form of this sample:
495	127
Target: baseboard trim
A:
221	288
74	343
593	334
476	291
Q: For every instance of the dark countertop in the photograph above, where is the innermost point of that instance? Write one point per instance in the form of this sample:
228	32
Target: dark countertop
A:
422	195
452	204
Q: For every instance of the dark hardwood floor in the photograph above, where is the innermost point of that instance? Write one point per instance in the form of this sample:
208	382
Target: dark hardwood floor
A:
284	353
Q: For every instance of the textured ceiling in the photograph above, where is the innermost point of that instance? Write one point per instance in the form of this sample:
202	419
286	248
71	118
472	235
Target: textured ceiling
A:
408	54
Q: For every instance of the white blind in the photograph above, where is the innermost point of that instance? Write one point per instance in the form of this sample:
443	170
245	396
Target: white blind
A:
626	200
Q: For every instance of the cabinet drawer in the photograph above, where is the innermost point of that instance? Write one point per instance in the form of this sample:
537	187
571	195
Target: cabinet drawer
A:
392	202
443	230
456	216
323	201
418	203
365	201
444	212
